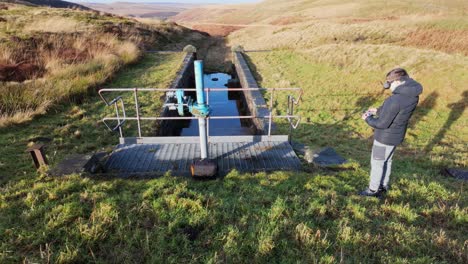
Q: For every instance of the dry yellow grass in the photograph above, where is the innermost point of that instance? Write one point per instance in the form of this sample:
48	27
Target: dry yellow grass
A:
149	21
6	56
451	41
270	10
57	51
298	24
311	34
22	116
56	25
416	31
73	55
71	51
435	70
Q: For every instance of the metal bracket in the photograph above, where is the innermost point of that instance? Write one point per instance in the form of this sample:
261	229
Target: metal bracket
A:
200	110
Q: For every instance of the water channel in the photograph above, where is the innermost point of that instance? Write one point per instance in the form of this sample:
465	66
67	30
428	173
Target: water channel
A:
222	103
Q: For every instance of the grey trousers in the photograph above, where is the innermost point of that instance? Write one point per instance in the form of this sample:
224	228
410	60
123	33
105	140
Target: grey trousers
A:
381	165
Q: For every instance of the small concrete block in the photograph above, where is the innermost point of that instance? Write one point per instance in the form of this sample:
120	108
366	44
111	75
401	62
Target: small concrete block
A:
204	168
38	155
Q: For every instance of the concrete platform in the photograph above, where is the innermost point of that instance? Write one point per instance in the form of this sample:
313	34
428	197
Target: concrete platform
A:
156	156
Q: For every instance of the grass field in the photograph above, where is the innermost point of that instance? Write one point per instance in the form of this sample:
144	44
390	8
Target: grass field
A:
313	216
335	96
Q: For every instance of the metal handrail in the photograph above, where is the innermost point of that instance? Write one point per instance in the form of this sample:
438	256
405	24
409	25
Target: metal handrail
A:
193	90
124	118
291	102
196	118
290	111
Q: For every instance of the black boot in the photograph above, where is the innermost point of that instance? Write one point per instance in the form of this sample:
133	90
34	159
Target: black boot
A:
383	189
370	193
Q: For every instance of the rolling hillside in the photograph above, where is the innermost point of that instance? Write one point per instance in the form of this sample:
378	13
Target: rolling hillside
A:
440	25
49	3
141	10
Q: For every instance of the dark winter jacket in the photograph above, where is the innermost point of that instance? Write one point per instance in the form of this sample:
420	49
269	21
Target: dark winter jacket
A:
392	117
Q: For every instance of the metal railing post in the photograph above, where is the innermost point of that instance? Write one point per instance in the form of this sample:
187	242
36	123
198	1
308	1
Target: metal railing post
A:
201	102
208	119
271	112
291	111
137	107
118	119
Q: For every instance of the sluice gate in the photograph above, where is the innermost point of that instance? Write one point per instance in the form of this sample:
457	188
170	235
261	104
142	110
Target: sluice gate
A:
143	155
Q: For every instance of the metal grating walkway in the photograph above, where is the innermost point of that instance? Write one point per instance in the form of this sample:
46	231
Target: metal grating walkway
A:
155	156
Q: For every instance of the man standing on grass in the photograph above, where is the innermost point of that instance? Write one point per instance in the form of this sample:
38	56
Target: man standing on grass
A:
390	122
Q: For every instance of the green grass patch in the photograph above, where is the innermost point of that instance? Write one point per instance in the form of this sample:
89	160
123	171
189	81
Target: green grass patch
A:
279	217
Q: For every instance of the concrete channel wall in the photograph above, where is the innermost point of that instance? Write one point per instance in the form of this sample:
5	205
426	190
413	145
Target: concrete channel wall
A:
185	78
254	99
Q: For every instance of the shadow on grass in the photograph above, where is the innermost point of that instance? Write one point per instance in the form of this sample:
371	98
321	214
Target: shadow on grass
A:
456	111
423	109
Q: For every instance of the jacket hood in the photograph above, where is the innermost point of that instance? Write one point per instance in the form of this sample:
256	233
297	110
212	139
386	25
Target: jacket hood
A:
409	88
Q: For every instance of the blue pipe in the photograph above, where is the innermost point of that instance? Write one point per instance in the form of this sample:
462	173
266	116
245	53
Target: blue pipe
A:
199	83
202	109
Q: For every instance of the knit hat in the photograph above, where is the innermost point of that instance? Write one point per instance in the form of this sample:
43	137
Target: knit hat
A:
396	74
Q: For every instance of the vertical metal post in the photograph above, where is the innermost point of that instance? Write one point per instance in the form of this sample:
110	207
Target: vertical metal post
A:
199	83
291	113
137	107
271	112
38	155
208	120
118	119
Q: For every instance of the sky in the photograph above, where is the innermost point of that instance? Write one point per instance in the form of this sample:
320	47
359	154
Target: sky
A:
170	1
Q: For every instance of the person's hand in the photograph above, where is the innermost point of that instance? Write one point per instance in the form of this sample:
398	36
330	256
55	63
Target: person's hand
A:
365	115
372	111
